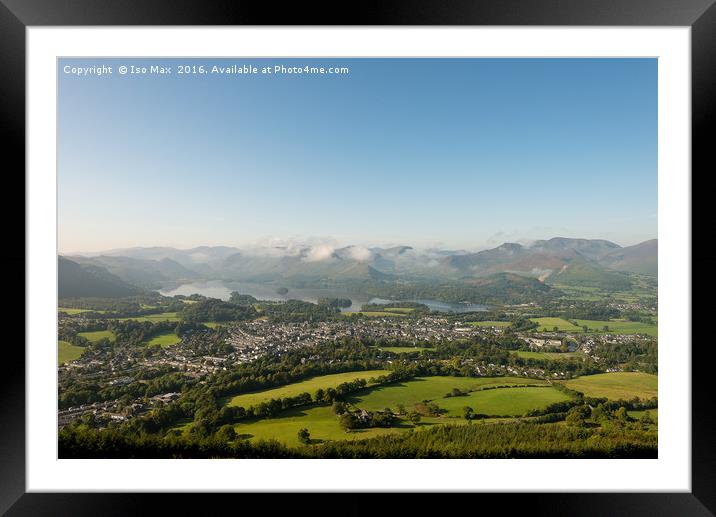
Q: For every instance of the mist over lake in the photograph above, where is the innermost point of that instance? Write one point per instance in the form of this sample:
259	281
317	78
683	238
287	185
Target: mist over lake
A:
223	289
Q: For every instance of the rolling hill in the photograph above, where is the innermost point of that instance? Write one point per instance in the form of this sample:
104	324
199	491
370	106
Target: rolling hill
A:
575	262
299	269
76	280
641	258
144	273
587	274
562	261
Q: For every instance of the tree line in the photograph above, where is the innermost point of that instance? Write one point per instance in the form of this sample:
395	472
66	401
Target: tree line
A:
501	440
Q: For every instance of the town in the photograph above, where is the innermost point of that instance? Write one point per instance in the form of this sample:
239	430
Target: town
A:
195	357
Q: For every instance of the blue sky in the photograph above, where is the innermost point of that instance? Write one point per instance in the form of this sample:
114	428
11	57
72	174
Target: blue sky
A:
462	153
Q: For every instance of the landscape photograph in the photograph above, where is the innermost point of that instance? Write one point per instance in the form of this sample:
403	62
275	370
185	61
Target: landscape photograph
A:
363	258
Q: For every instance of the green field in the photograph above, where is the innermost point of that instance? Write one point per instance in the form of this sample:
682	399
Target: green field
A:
323	424
621	327
489	323
405	349
320	422
550	323
97	335
70	310
375	314
308	386
547	355
164	340
616	385
615	326
413	391
640	291
210	324
503	401
654	413
162	316
68	352
592	294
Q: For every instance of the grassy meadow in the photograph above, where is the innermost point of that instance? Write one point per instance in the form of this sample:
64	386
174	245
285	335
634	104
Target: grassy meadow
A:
320	421
653	413
376	314
550	323
405	349
504	401
409	393
162	316
97	335
323	424
70	310
163	340
67	352
614	326
616	385
305	386
621	327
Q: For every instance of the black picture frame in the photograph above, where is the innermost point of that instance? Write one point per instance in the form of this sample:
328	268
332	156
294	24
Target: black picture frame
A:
16	15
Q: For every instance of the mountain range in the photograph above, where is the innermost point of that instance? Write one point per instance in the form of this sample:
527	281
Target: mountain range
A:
563	261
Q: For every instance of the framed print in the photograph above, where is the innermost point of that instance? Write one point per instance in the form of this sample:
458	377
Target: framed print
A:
433	249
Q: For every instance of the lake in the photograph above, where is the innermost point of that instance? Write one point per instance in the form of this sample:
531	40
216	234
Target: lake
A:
222	290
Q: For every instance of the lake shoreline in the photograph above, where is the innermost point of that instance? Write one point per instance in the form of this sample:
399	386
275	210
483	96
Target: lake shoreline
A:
222	290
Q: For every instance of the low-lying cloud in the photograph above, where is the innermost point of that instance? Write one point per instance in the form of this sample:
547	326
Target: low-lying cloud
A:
358	253
319	253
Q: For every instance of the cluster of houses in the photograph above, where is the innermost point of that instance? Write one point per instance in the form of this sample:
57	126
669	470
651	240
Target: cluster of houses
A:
247	341
112	410
255	338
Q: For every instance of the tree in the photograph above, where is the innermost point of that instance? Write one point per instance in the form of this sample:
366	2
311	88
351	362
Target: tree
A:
467	413
401	409
348	421
621	414
304	436
339	407
330	395
414	417
576	415
600	414
433	409
226	433
88	419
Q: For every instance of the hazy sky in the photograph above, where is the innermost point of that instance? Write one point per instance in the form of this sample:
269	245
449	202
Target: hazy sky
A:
454	152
